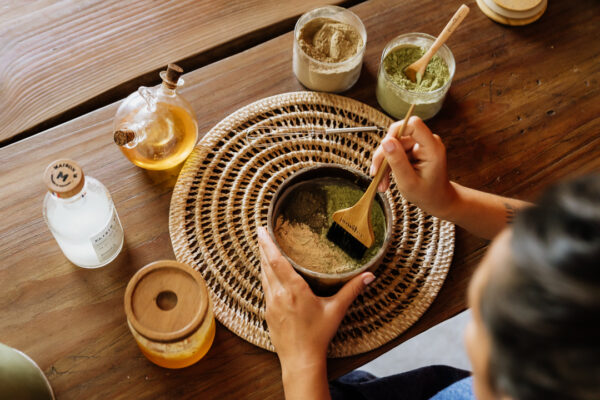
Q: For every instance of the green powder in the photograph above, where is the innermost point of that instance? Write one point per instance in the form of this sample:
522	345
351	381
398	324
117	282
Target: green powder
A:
314	203
345	196
435	76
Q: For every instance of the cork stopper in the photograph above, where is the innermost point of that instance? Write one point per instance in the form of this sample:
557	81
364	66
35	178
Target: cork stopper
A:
166	301
64	178
171	76
124	136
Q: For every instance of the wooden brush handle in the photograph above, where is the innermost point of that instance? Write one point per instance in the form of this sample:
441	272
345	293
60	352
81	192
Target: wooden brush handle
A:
384	164
356	220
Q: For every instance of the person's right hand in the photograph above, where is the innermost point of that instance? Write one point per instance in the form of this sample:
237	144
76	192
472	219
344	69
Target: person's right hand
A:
418	163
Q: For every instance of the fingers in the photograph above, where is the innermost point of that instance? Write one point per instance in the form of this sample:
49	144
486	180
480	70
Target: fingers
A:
399	162
266	274
421	133
377	160
266	244
351	290
281	268
394	129
416	145
384	184
385	181
407	143
406	140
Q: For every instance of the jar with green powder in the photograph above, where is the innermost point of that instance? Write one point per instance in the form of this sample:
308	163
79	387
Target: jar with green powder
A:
395	92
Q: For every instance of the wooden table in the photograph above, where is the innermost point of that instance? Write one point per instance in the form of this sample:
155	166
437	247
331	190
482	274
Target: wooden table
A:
522	112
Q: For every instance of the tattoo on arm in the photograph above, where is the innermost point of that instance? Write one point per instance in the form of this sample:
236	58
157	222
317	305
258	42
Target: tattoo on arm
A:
510	213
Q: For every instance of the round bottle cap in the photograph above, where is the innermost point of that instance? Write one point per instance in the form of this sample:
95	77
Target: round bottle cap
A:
166	301
64	178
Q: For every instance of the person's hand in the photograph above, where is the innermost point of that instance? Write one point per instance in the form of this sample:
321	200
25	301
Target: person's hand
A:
418	163
301	324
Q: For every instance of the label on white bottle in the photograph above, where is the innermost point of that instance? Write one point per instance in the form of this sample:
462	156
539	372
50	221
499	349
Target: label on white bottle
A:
108	240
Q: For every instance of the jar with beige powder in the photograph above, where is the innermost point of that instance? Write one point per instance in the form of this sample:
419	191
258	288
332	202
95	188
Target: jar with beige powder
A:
329	44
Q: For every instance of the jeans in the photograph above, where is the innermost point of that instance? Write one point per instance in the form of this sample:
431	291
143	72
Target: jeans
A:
418	384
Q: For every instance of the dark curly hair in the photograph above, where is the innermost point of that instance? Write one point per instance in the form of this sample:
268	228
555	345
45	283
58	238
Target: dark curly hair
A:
542	309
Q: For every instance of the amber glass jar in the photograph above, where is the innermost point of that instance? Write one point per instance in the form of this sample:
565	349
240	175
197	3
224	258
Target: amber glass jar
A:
170	314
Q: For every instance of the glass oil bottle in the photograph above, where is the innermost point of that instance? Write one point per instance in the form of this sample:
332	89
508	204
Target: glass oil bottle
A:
156	128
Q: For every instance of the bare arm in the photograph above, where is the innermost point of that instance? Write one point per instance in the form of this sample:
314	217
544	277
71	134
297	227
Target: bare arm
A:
483	214
307	382
418	164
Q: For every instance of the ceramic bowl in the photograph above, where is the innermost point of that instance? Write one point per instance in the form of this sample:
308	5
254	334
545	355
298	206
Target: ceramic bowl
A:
328	283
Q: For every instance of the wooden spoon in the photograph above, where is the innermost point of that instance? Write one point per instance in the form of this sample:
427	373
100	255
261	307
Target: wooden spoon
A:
415	71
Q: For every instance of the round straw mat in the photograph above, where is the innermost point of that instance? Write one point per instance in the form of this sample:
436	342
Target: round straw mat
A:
223	193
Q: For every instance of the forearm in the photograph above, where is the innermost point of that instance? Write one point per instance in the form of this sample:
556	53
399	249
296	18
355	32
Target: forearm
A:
306	382
482	214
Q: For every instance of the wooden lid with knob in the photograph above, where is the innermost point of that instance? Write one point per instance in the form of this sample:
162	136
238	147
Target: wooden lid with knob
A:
64	178
166	301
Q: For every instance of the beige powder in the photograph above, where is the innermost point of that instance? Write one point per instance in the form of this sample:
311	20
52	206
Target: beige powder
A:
328	40
311	250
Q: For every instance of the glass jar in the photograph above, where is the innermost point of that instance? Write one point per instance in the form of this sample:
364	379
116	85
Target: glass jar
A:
396	100
170	314
81	216
328	76
156	127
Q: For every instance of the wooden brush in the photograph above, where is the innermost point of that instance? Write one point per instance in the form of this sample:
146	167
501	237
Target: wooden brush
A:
352	229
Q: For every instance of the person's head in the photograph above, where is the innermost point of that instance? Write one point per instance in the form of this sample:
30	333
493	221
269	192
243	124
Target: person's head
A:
535	300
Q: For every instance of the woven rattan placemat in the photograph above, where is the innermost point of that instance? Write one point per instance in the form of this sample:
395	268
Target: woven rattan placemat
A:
223	194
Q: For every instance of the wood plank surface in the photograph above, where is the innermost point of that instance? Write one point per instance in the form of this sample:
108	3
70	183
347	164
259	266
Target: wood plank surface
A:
522	113
56	55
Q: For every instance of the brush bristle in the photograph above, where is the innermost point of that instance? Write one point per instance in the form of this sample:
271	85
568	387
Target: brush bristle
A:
346	241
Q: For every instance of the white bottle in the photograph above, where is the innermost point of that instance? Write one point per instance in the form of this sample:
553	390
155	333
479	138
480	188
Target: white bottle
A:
81	216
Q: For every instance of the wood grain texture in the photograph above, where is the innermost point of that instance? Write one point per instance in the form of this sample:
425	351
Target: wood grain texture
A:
55	55
522	113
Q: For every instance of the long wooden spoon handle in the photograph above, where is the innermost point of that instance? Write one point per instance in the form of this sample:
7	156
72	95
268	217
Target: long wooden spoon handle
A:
450	27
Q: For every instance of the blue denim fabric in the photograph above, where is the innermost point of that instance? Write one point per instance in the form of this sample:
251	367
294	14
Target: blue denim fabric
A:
461	390
418	384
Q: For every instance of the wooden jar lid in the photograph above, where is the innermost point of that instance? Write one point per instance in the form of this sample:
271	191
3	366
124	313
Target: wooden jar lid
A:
518	5
166	301
520	12
64	178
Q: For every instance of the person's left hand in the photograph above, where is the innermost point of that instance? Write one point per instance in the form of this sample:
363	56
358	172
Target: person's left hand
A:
301	324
